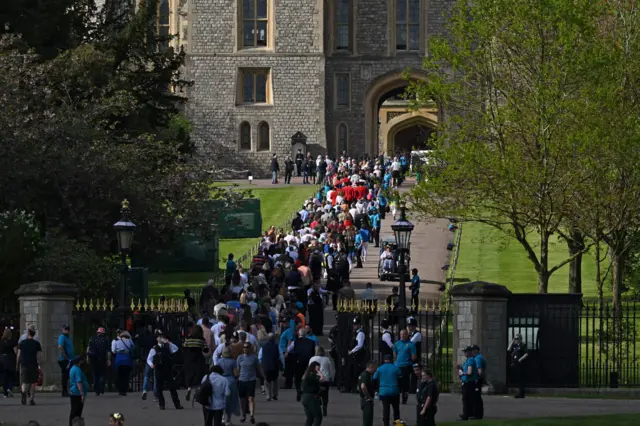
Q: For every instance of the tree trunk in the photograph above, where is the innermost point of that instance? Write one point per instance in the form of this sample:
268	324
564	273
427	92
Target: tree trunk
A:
543	272
576	245
617	274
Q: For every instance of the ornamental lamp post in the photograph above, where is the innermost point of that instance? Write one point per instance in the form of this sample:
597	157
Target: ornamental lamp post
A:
402	229
124	231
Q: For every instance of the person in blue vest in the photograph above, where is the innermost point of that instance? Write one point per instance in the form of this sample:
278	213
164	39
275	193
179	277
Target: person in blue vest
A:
405	356
468	374
229	270
481	364
287	336
388	376
382	203
65	345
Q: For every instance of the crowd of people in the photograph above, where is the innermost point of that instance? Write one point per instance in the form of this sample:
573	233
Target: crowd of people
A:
267	318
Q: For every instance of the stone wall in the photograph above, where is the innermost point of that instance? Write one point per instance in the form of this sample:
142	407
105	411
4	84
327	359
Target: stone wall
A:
480	318
47	306
303	75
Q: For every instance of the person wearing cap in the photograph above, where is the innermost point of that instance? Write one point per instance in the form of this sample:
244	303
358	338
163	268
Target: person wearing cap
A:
79	387
389	376
405	356
481	364
385	346
65	345
517	354
98	355
468	375
358	353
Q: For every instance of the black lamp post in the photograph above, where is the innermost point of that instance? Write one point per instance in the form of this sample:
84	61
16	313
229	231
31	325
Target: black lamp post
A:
124	231
402	229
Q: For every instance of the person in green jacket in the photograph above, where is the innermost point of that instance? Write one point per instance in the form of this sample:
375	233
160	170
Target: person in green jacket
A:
311	382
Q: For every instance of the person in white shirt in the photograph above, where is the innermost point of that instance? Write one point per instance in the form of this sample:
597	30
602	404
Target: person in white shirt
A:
328	370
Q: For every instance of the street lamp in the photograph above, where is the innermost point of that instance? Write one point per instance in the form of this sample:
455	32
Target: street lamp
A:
124	231
402	229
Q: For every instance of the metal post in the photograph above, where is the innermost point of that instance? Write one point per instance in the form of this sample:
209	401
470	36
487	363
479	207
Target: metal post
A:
402	309
122	303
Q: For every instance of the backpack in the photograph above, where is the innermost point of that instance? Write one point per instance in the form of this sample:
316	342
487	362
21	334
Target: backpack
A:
204	392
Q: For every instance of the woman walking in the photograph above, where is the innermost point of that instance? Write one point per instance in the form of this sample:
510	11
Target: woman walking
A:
78	386
7	362
311	387
123	348
328	370
232	403
194	349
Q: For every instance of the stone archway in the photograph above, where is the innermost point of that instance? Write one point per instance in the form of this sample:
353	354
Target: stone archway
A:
395	126
380	87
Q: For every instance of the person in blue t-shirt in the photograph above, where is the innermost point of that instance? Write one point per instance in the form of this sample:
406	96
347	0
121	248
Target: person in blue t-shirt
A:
65	345
468	373
366	238
415	290
389	376
481	364
404	351
79	386
374	219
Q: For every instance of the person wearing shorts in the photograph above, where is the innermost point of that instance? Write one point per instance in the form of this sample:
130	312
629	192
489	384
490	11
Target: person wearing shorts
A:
29	351
249	367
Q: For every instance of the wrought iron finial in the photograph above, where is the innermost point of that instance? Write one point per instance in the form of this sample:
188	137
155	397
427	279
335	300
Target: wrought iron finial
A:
125	205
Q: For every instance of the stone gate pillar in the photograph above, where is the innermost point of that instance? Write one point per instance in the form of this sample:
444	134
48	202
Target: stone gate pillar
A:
480	318
48	306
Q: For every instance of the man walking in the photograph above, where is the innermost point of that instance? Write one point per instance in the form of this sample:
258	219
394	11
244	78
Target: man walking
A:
160	359
303	349
366	390
248	367
272	362
65	345
481	364
29	351
389	375
98	355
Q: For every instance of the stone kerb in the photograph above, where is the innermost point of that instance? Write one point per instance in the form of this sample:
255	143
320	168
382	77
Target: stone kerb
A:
480	318
48	306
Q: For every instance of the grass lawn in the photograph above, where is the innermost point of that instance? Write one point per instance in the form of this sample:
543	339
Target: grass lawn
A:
612	420
486	254
276	204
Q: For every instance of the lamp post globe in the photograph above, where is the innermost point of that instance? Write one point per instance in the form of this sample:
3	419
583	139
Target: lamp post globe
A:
402	229
124	229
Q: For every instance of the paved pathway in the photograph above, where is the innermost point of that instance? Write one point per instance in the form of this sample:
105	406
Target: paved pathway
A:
52	410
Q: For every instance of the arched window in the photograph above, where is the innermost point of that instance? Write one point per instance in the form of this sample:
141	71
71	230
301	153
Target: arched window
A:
343	139
245	136
264	139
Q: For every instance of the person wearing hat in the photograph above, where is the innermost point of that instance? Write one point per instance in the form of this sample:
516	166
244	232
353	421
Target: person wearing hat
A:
468	373
517	354
358	353
65	345
388	375
481	364
98	355
79	387
160	359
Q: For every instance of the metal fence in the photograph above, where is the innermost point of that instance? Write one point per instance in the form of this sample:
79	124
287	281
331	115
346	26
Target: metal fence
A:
140	320
576	343
435	325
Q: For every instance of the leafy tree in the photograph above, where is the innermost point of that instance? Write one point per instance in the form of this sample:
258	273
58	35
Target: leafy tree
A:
510	77
92	114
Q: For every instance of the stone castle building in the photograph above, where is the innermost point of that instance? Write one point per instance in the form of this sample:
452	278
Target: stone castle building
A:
272	76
